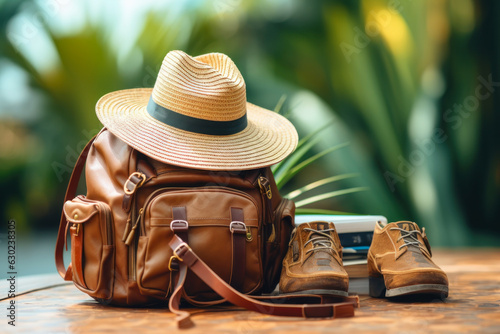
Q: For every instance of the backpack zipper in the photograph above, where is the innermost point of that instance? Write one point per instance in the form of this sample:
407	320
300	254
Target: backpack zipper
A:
131	234
267	195
277	220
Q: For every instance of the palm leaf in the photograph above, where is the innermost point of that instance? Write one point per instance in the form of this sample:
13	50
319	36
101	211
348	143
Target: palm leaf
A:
283	169
317	184
307	211
280	103
331	194
299	152
285	177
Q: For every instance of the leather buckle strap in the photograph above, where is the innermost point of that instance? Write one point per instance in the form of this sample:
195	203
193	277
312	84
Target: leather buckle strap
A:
340	310
173	266
77	255
177	257
179	224
182	248
238	227
207	275
134	182
238	240
177	280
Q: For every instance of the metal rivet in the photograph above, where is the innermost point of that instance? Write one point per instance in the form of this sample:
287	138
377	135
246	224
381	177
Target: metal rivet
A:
75	216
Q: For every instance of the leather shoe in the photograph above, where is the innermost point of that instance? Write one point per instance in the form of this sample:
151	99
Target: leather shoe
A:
313	263
399	262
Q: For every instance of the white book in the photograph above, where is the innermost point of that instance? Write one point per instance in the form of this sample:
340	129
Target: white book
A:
344	223
359	286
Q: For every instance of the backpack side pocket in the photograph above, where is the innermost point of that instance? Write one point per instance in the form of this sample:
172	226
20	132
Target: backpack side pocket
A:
92	246
277	244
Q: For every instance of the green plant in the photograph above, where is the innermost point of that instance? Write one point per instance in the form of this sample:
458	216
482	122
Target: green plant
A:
296	162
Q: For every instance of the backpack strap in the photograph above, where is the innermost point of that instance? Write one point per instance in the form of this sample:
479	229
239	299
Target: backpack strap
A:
70	194
238	242
187	258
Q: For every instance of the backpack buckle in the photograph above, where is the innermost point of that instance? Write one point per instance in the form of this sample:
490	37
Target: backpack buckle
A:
179	225
176	255
170	261
134	182
238	227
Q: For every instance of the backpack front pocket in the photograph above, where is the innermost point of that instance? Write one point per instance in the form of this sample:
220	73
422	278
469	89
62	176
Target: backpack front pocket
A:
219	224
92	246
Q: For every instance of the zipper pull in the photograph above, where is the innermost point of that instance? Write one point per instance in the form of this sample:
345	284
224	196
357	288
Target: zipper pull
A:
249	234
272	237
127	230
131	234
267	195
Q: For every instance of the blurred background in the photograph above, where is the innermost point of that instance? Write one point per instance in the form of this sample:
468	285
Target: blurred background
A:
406	92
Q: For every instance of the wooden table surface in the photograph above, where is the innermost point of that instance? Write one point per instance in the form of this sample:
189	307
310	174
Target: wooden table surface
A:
473	306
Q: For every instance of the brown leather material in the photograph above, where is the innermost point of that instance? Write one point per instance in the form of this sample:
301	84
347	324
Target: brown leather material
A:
183	317
314	261
308	298
127	202
189	258
238	242
76	232
145	168
131	185
267	195
110	162
209	233
66	237
180	224
92	244
400	254
68	275
275	250
138	274
77	212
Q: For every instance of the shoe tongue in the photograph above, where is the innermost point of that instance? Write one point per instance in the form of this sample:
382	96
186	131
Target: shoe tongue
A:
407	226
320	226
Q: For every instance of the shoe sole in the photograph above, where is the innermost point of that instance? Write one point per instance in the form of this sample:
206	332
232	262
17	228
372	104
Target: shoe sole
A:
318	292
377	289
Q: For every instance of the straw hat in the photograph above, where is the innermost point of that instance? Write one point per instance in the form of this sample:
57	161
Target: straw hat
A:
197	116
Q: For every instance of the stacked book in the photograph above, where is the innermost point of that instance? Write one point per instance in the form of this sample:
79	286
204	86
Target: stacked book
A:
355	233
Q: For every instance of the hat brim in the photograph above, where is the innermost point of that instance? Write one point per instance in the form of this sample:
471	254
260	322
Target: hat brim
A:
267	139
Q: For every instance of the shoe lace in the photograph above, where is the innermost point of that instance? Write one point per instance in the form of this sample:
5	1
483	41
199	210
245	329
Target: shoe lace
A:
320	239
409	237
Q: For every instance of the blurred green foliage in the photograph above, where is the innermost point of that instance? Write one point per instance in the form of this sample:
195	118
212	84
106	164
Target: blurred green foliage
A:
410	85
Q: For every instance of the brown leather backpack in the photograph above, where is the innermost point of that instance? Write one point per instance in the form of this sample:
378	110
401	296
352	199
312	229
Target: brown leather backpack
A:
143	223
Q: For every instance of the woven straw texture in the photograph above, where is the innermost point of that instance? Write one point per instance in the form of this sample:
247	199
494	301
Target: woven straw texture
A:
208	87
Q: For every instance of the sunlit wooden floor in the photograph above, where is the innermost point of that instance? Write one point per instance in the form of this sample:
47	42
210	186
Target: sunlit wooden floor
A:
472	307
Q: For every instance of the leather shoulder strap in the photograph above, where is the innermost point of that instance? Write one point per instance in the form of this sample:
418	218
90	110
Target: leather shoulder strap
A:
70	194
188	258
